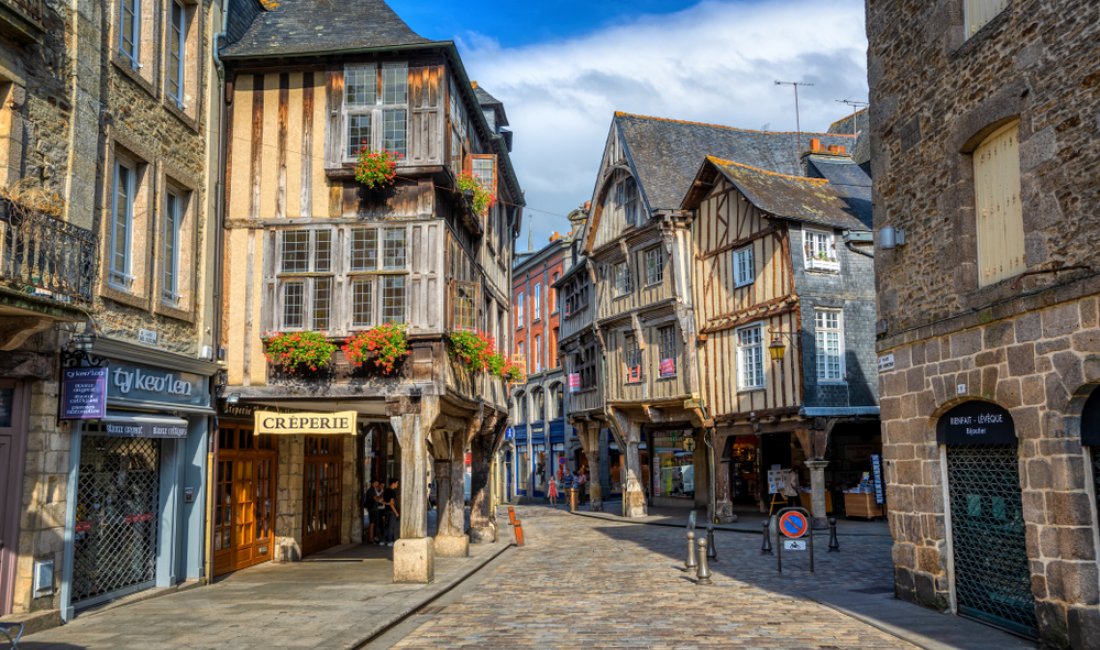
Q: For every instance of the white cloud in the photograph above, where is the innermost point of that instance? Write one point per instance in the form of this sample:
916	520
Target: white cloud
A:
715	62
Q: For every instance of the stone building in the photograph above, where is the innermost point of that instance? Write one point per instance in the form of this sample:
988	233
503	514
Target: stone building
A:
109	119
985	121
316	259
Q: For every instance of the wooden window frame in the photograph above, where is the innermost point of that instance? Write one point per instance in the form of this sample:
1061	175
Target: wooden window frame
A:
821	331
536	302
176	45
536	353
465	308
633	373
521	297
743	277
756	349
309	279
492	186
377	111
810	250
623	278
990	249
122	279
654	272
172	229
133	55
667	349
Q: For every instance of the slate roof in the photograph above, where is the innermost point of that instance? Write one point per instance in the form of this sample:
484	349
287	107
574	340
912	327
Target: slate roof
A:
665	154
488	101
811	200
857	122
299	27
850	181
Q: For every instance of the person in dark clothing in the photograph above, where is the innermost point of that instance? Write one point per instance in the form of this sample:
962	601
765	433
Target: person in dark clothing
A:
376	511
391	498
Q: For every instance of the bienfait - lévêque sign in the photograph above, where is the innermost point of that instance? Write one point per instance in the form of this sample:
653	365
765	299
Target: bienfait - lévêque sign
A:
341	423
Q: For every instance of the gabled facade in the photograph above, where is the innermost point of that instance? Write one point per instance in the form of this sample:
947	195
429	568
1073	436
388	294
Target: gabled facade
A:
987	263
782	268
310	249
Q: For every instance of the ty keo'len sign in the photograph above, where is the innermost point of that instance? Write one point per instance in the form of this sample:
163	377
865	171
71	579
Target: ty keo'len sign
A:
83	393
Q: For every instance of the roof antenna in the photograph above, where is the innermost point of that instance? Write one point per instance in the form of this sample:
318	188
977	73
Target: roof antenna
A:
856	107
797	119
530	239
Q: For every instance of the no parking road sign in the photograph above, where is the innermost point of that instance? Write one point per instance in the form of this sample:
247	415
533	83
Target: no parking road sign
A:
791	525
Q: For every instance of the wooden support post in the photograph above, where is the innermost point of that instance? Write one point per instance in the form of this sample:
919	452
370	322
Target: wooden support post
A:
483	529
413	556
629	436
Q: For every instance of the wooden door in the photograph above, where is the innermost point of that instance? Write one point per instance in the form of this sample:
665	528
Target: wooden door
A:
244	506
12	441
321	493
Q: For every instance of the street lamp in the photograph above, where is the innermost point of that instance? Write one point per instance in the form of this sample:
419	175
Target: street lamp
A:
777	349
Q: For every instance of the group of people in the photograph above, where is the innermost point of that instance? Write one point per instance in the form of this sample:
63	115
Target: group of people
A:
575	480
382	508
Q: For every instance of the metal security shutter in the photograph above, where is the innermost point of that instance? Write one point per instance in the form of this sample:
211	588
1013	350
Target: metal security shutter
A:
992	576
117	511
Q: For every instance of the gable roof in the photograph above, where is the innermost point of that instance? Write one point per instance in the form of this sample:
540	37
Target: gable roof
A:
665	153
488	101
810	200
849	180
298	27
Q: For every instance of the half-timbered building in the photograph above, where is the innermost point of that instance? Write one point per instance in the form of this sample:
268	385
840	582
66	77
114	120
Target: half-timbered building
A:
310	249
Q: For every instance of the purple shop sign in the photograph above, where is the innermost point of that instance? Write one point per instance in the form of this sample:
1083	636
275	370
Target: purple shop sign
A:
83	393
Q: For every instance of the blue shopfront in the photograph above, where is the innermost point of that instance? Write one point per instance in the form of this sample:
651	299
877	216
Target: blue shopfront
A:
138	466
540	455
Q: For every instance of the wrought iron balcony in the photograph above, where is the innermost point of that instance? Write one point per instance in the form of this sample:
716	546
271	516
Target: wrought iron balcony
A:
23	19
45	257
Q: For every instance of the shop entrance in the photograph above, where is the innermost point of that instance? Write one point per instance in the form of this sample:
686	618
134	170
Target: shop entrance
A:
321	493
117	512
12	434
992	576
244	499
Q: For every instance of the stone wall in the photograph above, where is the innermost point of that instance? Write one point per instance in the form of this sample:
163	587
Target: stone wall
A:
1028	343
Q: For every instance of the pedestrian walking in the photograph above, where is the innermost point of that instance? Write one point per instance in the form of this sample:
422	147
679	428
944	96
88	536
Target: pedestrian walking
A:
376	512
393	511
582	483
552	491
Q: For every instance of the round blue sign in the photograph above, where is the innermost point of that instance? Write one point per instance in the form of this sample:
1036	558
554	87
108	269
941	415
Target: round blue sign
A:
794	524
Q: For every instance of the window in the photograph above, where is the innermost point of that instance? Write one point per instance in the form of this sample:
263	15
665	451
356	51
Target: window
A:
820	251
830	345
394	248
521	351
553	350
744	270
624	283
362	302
626	200
584	364
519	309
540	405
122	225
305	280
483	167
632	358
177	51
654	265
536	302
553	296
666	339
559	400
465	299
536	353
522	400
129	31
375	108
750	358
976	13
364	249
393	299
173	223
1000	227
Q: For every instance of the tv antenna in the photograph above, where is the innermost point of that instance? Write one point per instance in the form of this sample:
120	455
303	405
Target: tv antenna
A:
856	106
797	118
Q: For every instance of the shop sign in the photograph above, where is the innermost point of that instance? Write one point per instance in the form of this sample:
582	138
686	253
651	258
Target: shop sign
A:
537	428
668	367
83	393
135	383
876	470
574	382
976	423
296	424
136	427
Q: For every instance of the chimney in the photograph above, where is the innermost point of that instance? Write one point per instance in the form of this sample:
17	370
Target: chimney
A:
587	206
473	84
815	145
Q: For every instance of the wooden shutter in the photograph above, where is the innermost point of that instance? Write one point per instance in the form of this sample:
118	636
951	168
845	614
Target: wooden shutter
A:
334	129
426	115
997	208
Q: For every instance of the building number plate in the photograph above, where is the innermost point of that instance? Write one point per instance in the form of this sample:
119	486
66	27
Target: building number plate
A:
794	545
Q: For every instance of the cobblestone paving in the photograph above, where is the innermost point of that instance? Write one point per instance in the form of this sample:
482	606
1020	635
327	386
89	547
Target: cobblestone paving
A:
589	583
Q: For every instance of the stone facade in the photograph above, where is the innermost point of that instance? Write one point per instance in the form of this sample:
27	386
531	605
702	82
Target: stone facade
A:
1027	343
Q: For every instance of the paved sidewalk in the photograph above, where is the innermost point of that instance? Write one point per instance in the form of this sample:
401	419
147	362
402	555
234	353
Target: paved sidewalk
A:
336	599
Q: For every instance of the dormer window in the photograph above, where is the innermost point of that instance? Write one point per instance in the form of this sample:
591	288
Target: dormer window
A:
375	108
626	200
820	249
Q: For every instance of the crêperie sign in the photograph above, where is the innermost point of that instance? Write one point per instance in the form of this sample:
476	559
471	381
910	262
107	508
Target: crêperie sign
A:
976	423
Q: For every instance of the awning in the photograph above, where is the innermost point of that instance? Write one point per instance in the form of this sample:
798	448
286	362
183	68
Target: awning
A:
310	424
132	425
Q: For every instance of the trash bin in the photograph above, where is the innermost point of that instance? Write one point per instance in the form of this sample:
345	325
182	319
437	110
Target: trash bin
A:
574	495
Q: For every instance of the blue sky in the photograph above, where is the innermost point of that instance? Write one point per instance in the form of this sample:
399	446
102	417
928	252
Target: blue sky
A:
563	68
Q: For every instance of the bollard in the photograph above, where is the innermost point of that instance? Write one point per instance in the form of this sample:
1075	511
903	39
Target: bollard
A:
690	564
517	528
766	545
712	549
511	515
834	543
702	576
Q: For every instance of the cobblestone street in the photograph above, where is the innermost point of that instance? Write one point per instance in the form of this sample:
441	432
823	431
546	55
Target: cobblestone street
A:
583	582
